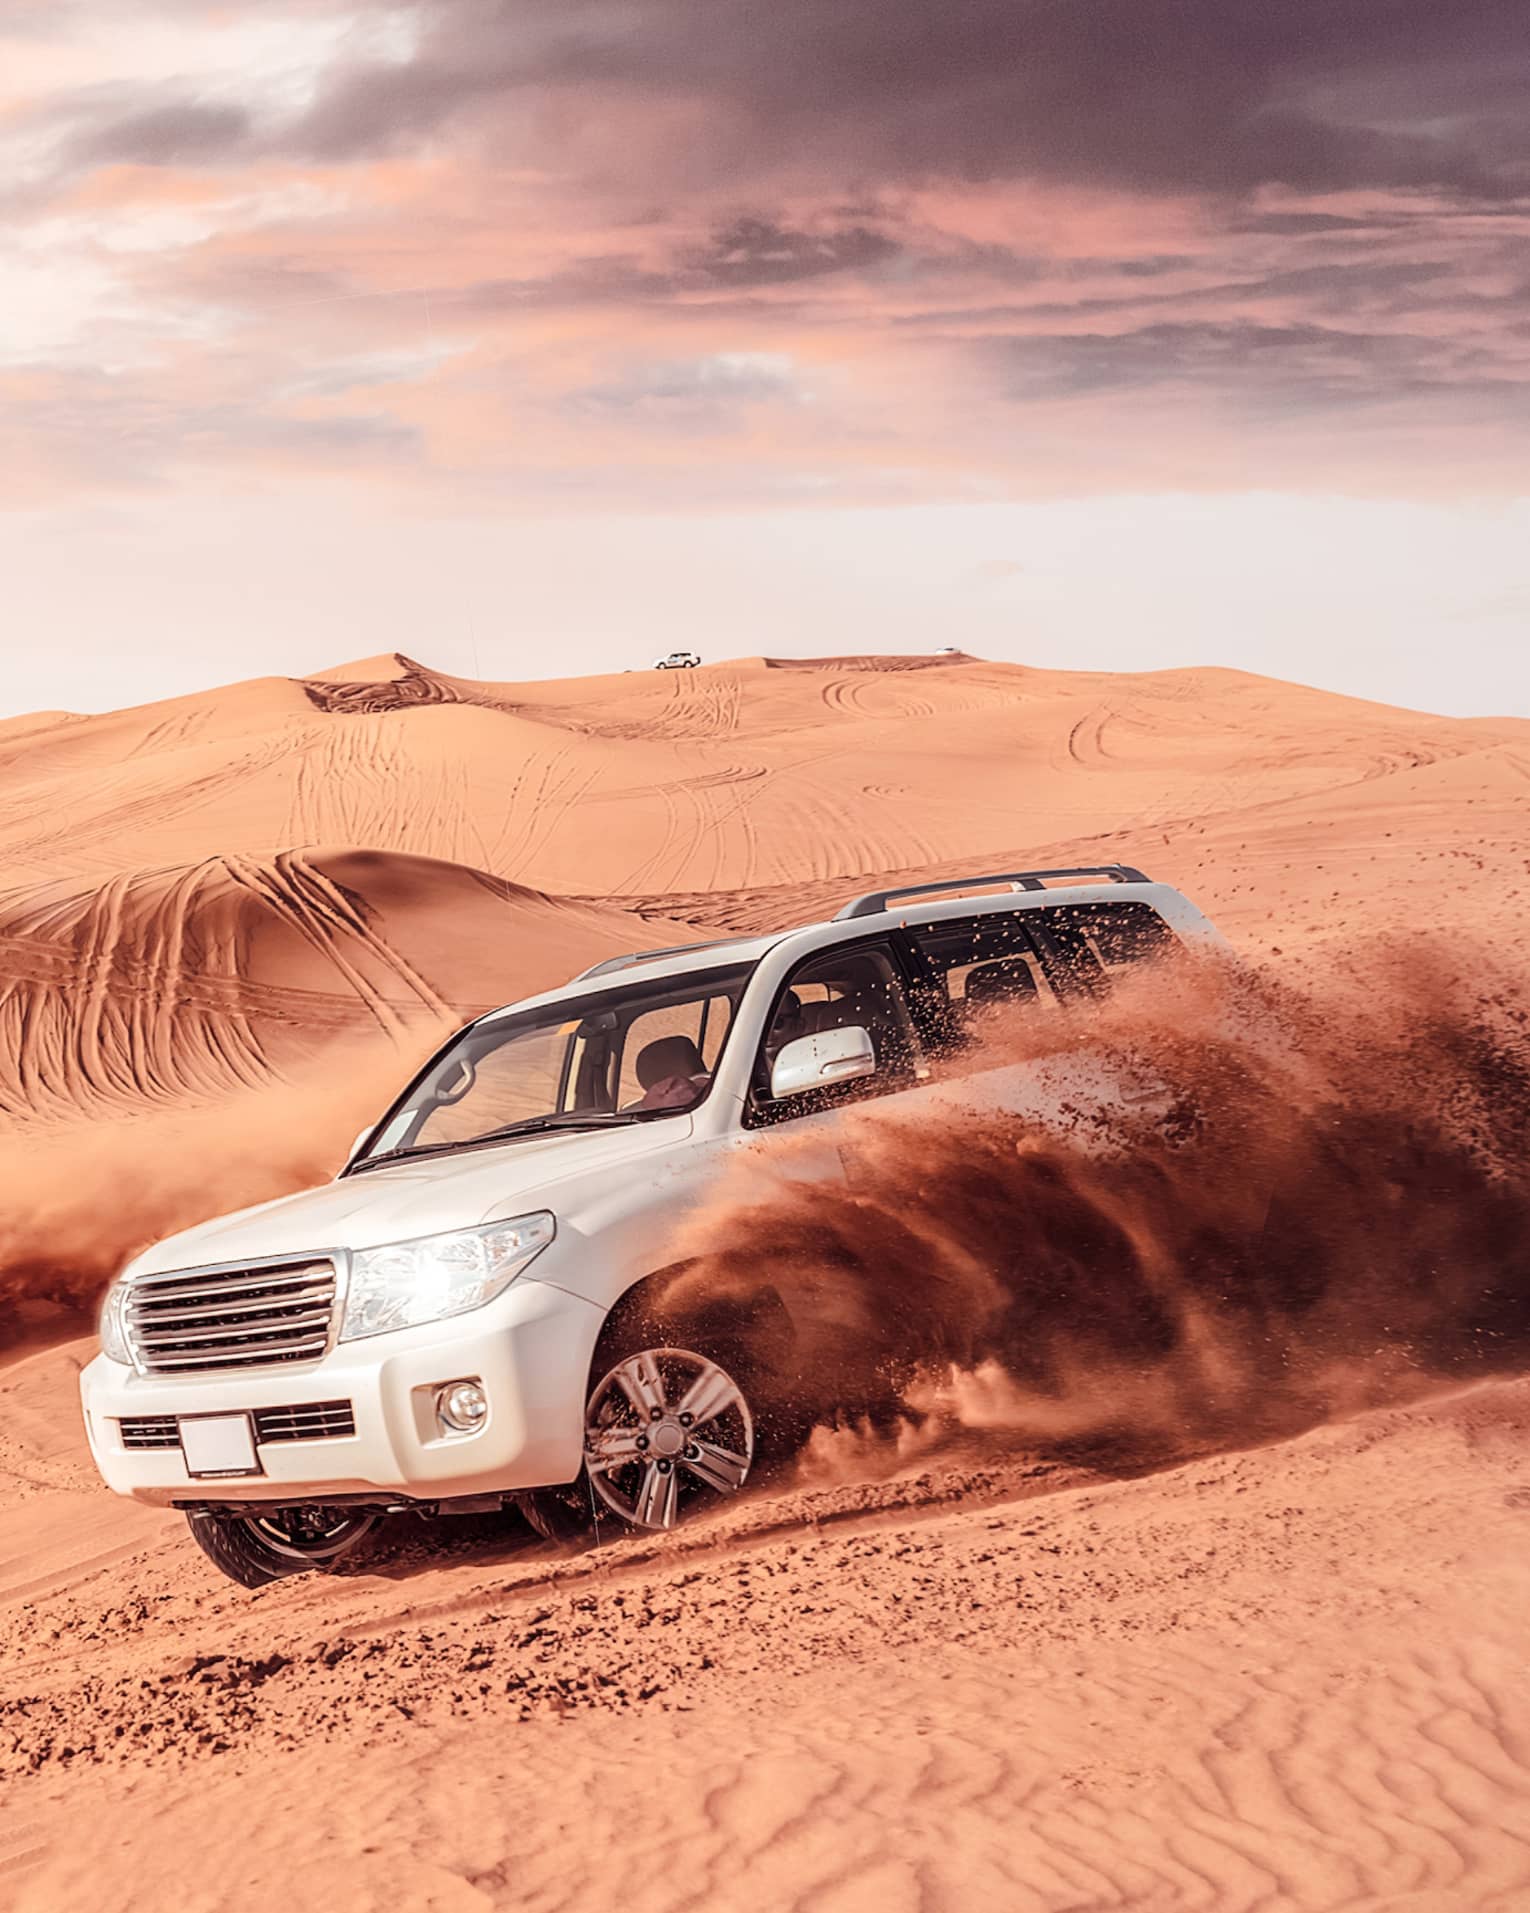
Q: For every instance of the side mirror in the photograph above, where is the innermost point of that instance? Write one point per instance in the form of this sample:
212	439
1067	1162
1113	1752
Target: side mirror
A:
361	1136
814	1062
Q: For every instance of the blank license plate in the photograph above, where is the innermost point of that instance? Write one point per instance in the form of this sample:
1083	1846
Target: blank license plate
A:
218	1445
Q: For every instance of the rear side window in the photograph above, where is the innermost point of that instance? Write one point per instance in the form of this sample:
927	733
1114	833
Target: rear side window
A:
1094	940
1034	958
986	957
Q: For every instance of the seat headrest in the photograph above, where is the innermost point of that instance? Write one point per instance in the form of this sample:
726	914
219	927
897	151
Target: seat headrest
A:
838	1014
1007	981
668	1056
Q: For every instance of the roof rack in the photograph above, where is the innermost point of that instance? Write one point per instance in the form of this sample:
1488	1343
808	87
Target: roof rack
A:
649	956
876	901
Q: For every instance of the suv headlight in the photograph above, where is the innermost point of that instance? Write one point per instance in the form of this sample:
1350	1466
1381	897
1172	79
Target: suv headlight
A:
113	1335
405	1283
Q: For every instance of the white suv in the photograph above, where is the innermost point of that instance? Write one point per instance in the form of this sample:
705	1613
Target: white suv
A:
457	1321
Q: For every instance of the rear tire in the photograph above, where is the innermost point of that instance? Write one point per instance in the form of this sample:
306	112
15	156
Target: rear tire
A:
563	1515
255	1550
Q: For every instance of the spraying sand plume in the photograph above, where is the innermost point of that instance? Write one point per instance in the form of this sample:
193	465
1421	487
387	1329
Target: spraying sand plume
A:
1330	1204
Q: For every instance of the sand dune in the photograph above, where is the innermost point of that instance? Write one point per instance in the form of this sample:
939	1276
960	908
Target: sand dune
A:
139	850
744	776
200	899
188	1040
173	929
229	923
191	980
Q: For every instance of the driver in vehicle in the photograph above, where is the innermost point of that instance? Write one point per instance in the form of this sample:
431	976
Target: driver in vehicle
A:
672	1073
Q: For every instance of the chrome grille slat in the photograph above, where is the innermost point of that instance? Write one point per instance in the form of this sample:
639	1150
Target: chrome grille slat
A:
156	1315
151	1336
244	1358
226	1281
238	1317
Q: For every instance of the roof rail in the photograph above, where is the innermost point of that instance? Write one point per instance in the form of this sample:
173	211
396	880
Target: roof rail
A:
648	956
876	901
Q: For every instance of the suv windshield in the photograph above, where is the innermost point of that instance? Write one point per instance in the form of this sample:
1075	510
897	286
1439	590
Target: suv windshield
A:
617	1055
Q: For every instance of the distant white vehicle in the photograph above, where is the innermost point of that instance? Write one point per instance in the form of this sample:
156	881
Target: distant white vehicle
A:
949	651
460	1320
677	661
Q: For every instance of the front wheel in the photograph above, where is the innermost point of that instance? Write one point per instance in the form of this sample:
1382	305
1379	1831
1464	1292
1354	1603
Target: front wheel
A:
667	1432
259	1548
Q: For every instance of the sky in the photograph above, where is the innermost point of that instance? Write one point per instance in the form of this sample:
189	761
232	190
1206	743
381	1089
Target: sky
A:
536	336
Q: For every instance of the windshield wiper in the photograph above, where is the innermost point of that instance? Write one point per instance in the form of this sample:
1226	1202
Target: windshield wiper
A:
398	1155
530	1126
569	1119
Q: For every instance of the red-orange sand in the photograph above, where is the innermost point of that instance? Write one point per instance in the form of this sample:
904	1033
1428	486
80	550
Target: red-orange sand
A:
1292	1677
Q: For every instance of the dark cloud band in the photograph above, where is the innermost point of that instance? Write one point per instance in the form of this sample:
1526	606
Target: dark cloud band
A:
1171	95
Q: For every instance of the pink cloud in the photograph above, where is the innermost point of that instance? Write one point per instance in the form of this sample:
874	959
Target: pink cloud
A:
883	251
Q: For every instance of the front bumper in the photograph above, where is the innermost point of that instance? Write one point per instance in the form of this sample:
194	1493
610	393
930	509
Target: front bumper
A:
530	1348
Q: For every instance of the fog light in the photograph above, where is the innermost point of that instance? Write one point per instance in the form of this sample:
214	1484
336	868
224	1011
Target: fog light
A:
461	1406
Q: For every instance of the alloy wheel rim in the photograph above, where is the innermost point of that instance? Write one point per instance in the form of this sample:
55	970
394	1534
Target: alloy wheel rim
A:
330	1534
665	1429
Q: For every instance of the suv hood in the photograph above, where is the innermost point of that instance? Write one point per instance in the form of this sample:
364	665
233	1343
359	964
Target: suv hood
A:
412	1198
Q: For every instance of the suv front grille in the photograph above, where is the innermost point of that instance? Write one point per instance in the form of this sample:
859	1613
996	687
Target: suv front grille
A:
150	1431
231	1318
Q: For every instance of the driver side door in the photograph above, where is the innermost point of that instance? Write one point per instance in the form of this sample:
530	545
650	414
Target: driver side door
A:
862	985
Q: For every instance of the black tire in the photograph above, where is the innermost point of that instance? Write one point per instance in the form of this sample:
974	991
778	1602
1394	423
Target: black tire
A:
236	1546
564	1515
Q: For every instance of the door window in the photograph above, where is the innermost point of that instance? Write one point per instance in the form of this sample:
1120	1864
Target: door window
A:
987	968
982	958
860	987
1119	934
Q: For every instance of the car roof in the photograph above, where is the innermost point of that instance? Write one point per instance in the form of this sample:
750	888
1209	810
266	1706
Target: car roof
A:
866	915
688	959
